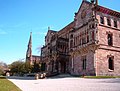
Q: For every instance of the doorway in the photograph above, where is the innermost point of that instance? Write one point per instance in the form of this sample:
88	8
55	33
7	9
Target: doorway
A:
63	67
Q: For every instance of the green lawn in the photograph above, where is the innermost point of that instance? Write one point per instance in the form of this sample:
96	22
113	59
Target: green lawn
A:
6	85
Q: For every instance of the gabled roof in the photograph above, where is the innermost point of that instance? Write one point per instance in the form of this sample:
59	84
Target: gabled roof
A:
101	9
66	28
84	1
50	31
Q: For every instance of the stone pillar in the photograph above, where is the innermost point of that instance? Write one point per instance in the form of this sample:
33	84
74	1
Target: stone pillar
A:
59	69
112	22
105	21
72	63
118	24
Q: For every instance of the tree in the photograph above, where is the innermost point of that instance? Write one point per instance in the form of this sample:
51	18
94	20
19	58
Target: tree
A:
3	67
28	67
20	67
36	68
1	72
16	67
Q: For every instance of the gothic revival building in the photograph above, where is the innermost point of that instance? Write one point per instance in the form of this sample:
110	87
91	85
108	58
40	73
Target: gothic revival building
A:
29	57
87	46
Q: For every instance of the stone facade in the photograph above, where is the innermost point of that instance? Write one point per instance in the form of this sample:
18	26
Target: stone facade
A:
87	46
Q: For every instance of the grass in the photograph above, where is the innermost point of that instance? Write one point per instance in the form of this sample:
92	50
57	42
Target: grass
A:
6	85
101	77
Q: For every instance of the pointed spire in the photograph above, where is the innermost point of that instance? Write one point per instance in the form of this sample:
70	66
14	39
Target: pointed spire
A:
96	2
92	1
29	50
30	40
48	28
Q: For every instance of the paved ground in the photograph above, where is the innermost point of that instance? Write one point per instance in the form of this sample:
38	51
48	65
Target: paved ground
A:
61	83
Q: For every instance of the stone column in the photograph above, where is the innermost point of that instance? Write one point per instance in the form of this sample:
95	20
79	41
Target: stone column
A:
59	69
118	24
105	21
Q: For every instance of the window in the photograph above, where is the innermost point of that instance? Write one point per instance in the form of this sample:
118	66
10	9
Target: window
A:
108	22
110	42
93	26
84	62
102	20
71	43
43	66
71	36
87	37
93	37
110	63
83	40
80	41
115	23
52	65
90	27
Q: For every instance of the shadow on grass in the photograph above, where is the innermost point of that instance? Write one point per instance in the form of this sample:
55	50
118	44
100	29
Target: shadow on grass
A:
2	77
21	78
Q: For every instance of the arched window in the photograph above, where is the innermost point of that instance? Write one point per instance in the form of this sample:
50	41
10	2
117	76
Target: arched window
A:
111	63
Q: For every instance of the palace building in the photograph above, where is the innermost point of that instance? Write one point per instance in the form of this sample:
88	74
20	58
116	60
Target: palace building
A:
89	45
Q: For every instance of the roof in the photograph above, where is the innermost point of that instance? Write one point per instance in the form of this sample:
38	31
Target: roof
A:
107	11
101	9
66	28
50	31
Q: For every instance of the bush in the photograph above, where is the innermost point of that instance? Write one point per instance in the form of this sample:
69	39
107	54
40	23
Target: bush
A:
1	72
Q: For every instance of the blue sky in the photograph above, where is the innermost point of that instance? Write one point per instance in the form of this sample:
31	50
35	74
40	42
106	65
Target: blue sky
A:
20	17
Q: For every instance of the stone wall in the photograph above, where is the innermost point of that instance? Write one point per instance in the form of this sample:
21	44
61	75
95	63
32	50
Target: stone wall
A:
102	62
78	64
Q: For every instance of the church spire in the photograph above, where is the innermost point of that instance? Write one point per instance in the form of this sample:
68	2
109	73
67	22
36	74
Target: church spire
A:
30	40
29	50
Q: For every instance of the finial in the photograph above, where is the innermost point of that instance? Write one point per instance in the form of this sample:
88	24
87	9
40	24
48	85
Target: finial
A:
96	2
48	28
30	33
92	1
